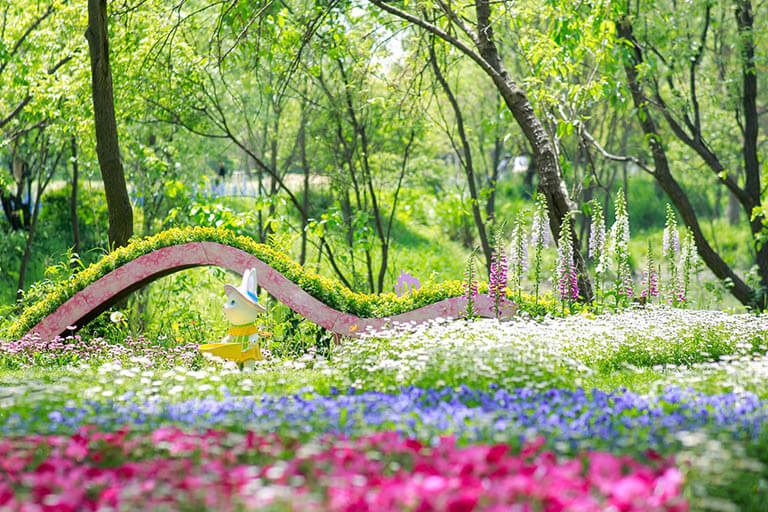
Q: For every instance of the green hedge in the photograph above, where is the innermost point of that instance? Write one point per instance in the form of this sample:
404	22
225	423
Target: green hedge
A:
328	291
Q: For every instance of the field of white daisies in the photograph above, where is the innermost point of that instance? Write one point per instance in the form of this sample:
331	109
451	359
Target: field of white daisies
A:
649	408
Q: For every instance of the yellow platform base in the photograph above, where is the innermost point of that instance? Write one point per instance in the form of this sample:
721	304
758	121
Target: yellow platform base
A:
231	351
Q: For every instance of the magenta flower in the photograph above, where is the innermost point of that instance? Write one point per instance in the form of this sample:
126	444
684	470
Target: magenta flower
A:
650	283
498	276
219	470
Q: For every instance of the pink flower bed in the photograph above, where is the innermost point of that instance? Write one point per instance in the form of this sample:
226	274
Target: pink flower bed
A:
171	470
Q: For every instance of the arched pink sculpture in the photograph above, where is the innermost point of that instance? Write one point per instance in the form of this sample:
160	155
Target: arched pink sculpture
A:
96	298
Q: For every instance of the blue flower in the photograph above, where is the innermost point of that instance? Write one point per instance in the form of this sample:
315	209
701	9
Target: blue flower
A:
619	420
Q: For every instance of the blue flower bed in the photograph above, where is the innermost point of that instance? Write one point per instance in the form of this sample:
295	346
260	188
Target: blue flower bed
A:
571	419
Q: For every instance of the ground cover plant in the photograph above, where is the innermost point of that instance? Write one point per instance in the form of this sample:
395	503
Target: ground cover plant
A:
684	430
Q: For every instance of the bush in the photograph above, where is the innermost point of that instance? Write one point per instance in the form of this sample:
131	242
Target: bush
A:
52	237
93	218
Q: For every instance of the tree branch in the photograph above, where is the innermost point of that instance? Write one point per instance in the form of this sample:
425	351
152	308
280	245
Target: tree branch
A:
15	111
617	158
458	21
445	36
24	36
695	62
332	260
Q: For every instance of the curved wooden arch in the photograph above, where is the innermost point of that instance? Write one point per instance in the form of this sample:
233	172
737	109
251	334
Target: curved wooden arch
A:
97	297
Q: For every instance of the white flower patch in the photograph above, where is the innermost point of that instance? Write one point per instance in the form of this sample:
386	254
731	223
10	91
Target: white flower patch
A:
486	351
656	335
554	352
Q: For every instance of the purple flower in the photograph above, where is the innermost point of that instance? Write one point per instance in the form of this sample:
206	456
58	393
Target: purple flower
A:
576	417
650	284
567	280
498	275
597	236
620	245
540	233
537	229
671	237
671	241
628	284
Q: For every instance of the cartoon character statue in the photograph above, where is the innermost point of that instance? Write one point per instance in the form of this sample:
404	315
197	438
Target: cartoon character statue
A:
242	309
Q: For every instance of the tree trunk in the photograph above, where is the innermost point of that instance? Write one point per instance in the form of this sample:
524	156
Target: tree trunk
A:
466	162
551	182
490	205
107	145
625	184
73	198
305	168
11	211
346	212
17	211
385	253
146	208
530	172
733	210
27	252
260	181
273	185
745	22
585	229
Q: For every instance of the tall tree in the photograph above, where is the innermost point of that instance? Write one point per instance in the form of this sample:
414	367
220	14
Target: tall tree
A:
679	66
465	156
73	198
483	50
36	62
107	145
